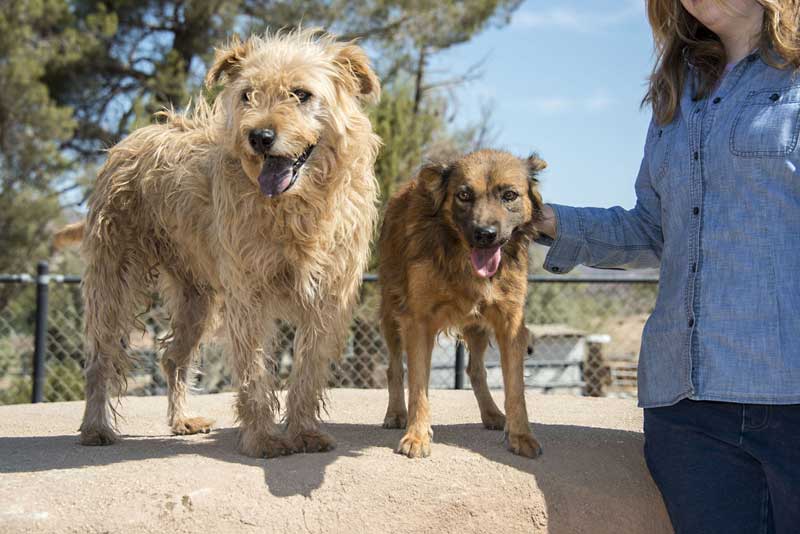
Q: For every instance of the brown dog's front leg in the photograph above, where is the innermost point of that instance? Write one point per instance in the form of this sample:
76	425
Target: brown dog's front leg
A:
513	340
418	338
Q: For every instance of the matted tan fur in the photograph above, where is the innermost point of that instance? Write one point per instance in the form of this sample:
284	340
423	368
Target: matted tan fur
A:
454	256
261	205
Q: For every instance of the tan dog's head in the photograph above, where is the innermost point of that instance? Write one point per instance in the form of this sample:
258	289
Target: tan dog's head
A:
287	98
488	197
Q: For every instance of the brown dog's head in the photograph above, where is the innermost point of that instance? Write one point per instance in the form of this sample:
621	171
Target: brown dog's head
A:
488	197
286	98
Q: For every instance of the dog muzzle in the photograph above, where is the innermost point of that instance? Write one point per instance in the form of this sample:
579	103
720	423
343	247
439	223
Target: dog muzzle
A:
280	173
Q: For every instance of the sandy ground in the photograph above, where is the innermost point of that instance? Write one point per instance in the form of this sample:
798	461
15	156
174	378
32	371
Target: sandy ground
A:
591	478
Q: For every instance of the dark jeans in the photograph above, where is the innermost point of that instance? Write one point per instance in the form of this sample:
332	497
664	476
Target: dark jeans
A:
726	468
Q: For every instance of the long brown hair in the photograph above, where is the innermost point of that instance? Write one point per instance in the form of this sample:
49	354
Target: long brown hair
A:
680	38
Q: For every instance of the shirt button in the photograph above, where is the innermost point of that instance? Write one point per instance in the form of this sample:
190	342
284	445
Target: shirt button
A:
694	267
696	210
691	323
775	97
696	155
717	100
554	269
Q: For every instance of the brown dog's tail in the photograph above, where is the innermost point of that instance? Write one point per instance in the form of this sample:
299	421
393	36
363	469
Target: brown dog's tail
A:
70	234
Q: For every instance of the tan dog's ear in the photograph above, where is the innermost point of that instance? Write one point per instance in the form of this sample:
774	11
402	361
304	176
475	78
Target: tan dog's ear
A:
535	165
227	61
434	178
357	73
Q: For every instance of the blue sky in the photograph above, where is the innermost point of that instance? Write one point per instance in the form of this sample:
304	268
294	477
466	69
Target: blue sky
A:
566	79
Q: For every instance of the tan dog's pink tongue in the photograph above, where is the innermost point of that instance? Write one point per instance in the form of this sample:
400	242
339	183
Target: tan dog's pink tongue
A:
275	176
485	261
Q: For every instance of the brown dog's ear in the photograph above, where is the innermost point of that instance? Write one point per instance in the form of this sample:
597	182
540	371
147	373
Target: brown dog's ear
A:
535	165
227	61
357	73
433	178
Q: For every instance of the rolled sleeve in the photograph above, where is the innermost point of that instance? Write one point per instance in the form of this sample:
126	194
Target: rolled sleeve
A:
565	250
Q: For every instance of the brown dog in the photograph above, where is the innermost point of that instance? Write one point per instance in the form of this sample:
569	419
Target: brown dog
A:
261	205
454	255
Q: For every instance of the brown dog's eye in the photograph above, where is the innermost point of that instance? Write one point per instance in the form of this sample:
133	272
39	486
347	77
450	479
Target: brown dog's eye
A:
510	196
302	95
246	96
464	196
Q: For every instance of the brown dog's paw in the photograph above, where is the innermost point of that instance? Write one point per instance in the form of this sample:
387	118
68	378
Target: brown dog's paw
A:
98	436
192	425
395	420
494	421
414	445
312	441
267	446
524	445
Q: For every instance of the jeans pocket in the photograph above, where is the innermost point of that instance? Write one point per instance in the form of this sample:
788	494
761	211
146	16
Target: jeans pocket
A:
767	124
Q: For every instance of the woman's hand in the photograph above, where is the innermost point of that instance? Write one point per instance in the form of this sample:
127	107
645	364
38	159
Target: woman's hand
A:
547	224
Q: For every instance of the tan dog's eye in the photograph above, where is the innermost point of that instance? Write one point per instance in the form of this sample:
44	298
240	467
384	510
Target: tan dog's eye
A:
510	196
464	196
246	96
302	95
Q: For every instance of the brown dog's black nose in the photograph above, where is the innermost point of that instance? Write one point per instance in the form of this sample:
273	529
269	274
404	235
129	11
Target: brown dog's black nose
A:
485	235
261	140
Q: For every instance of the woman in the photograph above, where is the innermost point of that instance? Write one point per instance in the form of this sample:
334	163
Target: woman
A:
718	209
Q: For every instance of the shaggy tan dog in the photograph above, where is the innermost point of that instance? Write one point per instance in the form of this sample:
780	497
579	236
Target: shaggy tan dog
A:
454	256
263	203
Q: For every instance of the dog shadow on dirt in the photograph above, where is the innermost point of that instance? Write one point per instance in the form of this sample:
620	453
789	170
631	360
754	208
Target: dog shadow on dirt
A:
594	459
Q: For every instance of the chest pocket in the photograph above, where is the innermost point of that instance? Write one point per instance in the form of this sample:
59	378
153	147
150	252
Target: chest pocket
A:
767	125
661	146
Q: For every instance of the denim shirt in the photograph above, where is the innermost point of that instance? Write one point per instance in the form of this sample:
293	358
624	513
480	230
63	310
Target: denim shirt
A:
718	211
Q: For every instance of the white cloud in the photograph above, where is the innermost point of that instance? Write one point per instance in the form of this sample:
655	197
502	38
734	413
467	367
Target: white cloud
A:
579	20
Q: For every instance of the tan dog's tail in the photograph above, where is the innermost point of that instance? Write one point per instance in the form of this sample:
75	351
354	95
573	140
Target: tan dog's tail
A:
70	234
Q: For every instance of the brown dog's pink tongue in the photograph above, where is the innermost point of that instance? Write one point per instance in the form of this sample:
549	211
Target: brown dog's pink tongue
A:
485	261
275	176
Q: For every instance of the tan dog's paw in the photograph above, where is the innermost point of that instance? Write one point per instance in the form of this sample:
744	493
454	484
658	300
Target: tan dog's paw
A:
524	445
494	421
395	420
98	436
414	445
192	425
267	446
312	441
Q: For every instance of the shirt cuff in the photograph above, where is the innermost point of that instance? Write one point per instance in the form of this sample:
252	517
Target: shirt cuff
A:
565	249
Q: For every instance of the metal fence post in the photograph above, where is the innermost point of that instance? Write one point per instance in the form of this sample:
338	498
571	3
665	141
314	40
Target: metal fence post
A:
40	336
459	368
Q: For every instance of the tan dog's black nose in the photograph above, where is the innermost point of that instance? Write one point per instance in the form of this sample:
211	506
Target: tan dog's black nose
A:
485	235
261	140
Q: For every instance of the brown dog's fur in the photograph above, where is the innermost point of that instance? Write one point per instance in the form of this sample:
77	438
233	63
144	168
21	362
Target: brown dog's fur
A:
429	284
180	203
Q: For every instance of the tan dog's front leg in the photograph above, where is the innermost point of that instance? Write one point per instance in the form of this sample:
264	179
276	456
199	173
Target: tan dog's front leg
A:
314	349
257	402
512	337
418	339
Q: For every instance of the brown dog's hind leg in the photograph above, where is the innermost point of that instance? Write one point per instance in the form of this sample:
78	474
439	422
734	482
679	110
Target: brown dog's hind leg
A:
512	336
189	312
396	414
314	349
419	340
477	339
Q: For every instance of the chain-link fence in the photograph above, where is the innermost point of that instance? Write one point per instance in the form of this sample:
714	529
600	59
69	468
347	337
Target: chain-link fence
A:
585	336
